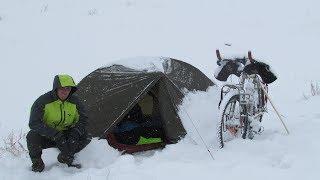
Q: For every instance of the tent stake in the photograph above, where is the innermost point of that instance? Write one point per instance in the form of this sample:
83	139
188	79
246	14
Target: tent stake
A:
266	93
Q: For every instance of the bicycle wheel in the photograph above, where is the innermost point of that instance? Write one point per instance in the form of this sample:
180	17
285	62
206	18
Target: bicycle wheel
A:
232	125
257	110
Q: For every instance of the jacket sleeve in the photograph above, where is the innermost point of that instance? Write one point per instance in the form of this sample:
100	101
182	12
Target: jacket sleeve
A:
36	122
80	126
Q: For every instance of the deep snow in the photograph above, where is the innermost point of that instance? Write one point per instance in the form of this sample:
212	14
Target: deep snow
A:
41	38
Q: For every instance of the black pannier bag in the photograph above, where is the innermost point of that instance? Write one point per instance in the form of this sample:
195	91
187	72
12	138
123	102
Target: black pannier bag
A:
226	68
262	69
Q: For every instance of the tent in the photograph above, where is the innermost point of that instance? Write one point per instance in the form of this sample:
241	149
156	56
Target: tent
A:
109	93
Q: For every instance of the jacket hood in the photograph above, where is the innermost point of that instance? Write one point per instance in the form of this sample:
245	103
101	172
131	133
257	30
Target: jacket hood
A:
64	80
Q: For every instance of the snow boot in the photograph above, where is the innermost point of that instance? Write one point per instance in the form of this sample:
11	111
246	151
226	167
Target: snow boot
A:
68	160
37	165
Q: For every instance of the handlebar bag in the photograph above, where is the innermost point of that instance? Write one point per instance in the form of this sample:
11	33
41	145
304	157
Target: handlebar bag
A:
262	69
226	69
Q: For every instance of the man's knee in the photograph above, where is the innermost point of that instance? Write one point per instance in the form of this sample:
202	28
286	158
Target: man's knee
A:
36	139
33	137
34	144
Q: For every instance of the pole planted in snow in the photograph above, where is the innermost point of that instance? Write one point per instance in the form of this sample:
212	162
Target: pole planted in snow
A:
266	93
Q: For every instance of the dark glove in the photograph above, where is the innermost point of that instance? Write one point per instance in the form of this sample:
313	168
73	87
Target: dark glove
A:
59	137
61	141
74	135
73	139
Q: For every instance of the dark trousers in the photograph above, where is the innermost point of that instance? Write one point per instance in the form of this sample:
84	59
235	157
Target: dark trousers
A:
36	143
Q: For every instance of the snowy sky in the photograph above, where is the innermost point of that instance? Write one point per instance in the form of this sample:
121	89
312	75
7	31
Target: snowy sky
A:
41	38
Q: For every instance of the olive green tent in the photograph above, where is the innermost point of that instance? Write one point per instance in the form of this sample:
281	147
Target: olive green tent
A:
109	93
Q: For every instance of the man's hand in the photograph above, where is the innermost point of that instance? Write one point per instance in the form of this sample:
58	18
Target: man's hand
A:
74	135
61	142
73	140
59	137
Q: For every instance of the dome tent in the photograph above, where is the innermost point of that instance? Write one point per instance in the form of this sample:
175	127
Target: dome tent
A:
109	93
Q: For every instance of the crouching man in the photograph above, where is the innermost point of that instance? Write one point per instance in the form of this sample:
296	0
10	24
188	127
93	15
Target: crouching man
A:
58	120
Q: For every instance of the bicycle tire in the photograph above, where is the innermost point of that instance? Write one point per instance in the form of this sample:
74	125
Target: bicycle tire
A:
262	102
241	131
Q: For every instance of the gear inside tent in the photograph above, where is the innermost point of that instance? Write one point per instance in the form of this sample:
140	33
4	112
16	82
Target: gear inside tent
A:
135	107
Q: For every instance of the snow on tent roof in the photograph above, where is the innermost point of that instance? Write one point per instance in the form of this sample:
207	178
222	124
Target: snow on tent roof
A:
143	63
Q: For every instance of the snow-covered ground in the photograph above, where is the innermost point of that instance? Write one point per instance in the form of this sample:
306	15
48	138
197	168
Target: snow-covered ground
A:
41	38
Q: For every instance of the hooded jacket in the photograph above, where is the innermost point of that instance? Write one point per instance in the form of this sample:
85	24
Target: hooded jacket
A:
49	115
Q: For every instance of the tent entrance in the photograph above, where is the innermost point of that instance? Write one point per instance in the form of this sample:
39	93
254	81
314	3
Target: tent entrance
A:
141	128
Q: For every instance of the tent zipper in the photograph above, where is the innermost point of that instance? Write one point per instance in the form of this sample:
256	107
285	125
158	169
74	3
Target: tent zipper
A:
60	116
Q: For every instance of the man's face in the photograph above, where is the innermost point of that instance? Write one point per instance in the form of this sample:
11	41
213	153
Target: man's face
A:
63	93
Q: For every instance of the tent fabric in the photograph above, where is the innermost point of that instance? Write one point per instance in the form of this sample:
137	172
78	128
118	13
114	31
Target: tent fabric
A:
109	93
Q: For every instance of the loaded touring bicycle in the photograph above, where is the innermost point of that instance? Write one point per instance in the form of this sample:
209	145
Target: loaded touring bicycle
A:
243	104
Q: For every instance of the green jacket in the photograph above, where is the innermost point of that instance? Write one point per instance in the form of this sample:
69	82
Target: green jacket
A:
49	115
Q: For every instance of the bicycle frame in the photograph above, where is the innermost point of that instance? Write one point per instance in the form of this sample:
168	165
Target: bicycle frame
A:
250	108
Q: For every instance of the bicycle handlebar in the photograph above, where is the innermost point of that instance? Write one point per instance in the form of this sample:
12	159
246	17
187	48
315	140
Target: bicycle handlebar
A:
240	60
